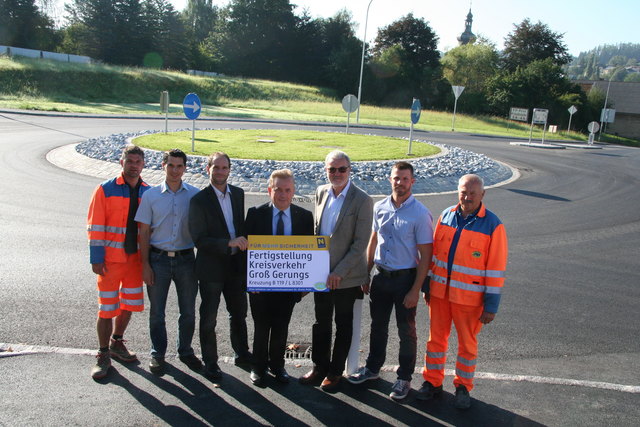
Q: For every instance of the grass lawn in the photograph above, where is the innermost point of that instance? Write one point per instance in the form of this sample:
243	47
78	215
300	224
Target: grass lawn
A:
286	145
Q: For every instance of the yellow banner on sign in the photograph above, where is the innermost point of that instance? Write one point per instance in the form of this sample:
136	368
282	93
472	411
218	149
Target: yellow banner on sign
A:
288	243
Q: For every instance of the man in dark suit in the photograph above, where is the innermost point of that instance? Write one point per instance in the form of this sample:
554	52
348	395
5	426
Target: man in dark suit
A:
272	311
216	224
344	212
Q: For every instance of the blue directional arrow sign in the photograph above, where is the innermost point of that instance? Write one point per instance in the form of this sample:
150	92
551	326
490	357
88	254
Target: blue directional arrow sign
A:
415	111
191	106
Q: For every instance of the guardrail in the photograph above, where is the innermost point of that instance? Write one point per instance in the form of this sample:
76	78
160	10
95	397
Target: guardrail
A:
43	54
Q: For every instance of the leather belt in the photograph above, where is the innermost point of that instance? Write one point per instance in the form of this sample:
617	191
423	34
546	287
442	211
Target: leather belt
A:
395	273
172	254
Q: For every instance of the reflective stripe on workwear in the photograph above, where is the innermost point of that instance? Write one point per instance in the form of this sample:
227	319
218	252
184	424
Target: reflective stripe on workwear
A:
465	374
479	262
131	290
466	362
107	220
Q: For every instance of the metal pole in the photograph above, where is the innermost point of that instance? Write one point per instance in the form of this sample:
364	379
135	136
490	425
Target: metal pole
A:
193	135
410	138
569	127
606	98
453	122
364	43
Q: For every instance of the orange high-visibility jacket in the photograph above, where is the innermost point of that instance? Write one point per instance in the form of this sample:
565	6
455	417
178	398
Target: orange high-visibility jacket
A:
107	220
479	263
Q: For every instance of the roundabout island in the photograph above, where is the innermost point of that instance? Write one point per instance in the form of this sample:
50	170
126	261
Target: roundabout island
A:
255	154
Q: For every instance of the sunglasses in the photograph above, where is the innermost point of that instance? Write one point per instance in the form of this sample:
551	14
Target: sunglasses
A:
341	169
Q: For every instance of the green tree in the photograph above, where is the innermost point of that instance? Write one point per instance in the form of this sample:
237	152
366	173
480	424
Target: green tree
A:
471	66
617	61
541	84
23	25
533	42
405	62
254	38
632	78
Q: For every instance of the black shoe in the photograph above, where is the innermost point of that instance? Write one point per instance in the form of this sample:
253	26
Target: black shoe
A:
256	377
281	375
244	360
213	372
192	362
462	399
428	391
156	365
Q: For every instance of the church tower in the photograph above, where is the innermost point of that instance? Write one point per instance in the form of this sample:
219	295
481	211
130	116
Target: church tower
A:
468	36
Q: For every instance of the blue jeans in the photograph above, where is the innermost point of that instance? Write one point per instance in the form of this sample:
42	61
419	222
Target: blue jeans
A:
180	269
387	293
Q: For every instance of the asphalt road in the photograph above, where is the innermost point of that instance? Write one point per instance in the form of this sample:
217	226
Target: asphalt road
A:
560	352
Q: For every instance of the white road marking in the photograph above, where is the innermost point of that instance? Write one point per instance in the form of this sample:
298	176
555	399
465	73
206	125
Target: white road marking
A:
9	350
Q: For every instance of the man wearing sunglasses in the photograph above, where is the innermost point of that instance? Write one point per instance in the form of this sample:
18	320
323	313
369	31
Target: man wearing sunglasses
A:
344	213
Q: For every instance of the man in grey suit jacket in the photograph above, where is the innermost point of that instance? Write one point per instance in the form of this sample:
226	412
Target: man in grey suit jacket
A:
216	224
344	212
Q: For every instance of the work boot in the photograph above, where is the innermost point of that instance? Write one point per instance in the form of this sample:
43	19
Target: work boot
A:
428	391
102	366
462	399
120	352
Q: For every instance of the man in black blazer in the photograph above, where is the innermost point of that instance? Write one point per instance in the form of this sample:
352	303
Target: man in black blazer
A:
216	224
272	311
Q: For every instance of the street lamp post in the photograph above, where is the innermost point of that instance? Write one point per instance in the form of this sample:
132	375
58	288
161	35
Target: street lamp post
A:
606	99
364	43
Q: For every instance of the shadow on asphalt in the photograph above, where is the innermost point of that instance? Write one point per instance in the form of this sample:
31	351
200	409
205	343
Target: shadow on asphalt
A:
539	195
231	402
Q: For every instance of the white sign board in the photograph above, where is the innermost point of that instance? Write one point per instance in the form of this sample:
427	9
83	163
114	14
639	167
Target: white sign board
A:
593	127
539	116
457	91
350	103
288	264
519	114
608	115
572	110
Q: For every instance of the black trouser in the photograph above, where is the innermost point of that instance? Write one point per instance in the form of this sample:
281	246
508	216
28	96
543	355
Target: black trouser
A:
387	293
235	297
271	313
341	302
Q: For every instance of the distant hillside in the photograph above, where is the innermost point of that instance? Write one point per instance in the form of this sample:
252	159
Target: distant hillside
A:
67	82
595	63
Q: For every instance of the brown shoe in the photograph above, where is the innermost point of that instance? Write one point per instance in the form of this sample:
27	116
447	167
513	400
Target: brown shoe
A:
331	382
313	376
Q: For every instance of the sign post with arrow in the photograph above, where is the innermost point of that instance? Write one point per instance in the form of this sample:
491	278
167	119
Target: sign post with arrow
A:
457	91
192	107
416	108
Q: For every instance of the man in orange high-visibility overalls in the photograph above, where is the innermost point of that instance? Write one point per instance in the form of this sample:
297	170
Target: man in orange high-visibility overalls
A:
466	277
115	258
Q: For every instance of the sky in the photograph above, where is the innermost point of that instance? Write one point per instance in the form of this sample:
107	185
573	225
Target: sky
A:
585	23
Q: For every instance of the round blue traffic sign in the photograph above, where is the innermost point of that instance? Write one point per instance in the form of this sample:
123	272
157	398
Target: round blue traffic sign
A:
191	106
415	111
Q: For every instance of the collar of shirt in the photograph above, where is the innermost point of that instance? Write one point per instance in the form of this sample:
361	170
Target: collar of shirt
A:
286	212
342	194
406	203
219	193
164	187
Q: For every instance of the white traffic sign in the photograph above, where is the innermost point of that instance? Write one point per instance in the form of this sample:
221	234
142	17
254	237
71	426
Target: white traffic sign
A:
350	103
572	110
457	91
608	115
519	114
593	127
539	116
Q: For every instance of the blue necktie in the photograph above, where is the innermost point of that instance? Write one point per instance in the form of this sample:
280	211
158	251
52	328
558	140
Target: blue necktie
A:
280	225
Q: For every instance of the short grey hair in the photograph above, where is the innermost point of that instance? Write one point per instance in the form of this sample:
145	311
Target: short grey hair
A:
471	178
337	155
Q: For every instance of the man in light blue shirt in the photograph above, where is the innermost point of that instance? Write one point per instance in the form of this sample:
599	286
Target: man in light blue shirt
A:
167	254
400	247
